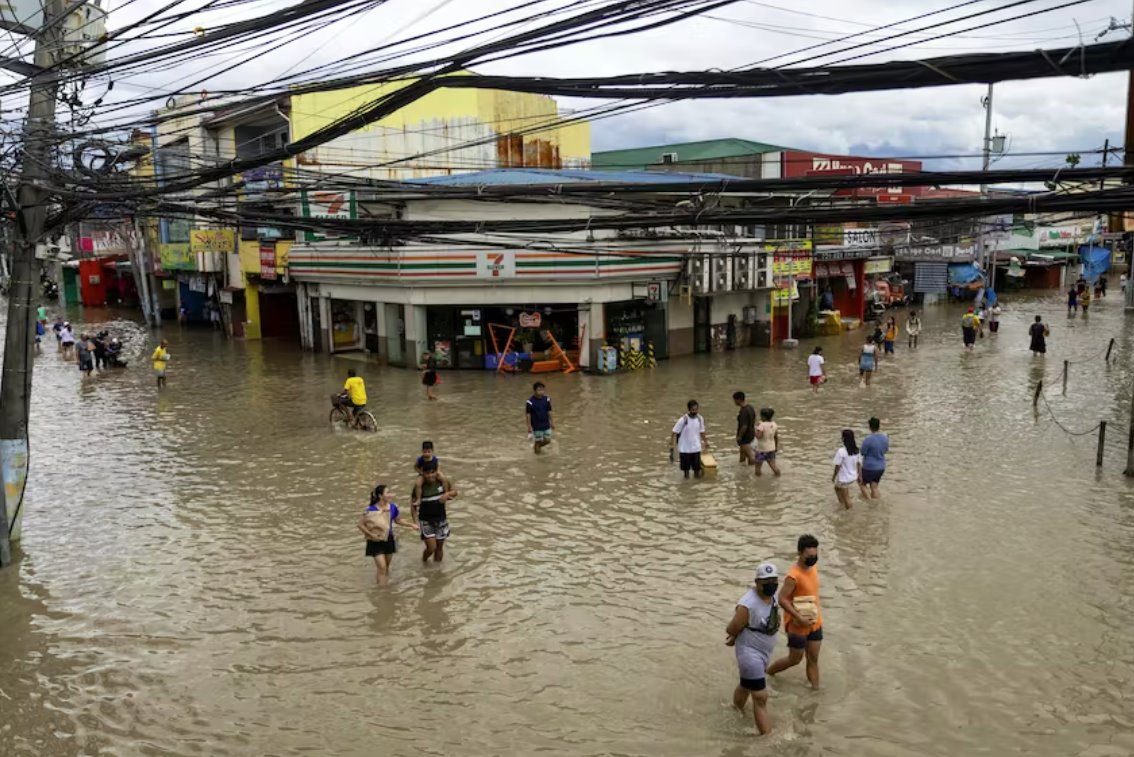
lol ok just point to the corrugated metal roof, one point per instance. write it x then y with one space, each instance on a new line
533 176
710 149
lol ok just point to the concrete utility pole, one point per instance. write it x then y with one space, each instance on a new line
16 375
986 153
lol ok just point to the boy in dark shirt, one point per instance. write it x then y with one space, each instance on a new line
426 457
538 414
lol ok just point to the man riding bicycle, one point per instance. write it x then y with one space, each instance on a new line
355 391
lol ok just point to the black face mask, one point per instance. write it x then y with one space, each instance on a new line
809 561
769 588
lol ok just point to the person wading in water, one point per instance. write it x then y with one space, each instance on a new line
799 599
430 493
752 631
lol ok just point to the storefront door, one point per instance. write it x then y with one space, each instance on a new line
702 324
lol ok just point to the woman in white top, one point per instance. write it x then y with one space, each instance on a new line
848 468
867 360
994 318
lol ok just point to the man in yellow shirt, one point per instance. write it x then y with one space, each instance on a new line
161 359
355 390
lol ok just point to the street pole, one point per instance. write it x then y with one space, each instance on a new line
986 153
16 374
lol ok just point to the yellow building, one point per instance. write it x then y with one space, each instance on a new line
447 131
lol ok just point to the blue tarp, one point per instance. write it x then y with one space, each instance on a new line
1096 261
963 274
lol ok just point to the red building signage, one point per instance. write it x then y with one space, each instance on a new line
798 164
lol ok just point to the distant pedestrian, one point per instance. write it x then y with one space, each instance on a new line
994 318
1085 301
41 315
867 361
752 631
377 525
183 315
890 336
799 600
99 342
878 337
1122 283
39 333
1102 285
745 428
429 374
913 329
848 468
57 327
86 355
215 316
873 451
1072 300
688 436
1098 288
970 322
816 374
767 441
67 338
1039 333
160 360
537 411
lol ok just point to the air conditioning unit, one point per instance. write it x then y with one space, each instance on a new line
698 269
722 273
744 272
669 158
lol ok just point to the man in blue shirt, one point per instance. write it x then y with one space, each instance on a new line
538 413
873 451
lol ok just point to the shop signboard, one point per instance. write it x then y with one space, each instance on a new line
530 320
338 205
110 242
861 238
790 258
878 265
212 240
268 261
225 296
799 163
176 256
495 265
1059 236
828 234
258 182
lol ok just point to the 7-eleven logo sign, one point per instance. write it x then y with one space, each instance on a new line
496 265
328 203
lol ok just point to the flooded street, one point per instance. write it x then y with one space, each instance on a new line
191 580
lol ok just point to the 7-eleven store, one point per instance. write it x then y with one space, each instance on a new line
394 303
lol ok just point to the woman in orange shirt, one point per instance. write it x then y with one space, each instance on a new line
805 620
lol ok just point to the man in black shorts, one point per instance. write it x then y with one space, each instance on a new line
689 436
745 428
430 494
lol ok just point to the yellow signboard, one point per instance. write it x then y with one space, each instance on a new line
792 257
212 240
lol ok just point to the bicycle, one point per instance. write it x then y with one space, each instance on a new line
363 419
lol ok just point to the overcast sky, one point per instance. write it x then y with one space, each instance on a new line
1060 115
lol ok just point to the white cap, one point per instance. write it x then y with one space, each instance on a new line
766 570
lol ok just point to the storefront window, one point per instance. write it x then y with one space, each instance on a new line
346 331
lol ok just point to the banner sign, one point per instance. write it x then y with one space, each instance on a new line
175 256
212 240
268 261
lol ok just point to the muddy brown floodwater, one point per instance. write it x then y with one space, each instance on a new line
191 581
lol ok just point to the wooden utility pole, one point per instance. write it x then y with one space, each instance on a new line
16 374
